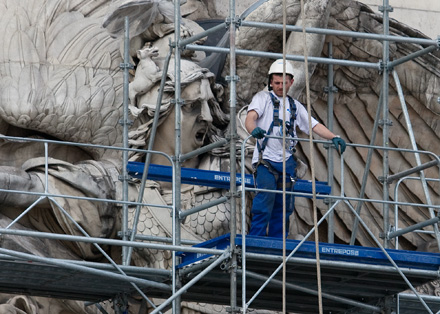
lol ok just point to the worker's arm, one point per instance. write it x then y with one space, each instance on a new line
251 125
251 121
323 132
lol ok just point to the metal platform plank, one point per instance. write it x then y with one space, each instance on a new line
356 273
37 279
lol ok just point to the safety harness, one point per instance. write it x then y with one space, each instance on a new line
277 122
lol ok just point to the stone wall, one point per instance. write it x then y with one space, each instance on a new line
422 15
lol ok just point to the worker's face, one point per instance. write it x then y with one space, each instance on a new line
277 84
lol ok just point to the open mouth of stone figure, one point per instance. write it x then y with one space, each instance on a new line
200 136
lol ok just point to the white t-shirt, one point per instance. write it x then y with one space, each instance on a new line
262 105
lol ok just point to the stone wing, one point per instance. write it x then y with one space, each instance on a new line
60 71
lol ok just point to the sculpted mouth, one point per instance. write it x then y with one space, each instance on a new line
200 136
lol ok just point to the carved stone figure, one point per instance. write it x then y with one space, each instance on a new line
147 73
94 173
60 79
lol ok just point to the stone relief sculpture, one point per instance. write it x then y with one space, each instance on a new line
147 73
60 79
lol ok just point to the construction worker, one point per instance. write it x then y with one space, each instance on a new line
264 117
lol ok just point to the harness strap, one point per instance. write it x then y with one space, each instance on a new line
289 184
278 122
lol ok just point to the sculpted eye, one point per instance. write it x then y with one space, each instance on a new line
190 107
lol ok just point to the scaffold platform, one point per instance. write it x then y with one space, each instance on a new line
217 179
78 280
354 279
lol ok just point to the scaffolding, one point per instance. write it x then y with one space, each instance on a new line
236 268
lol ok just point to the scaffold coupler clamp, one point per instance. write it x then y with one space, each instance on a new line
233 310
236 20
120 304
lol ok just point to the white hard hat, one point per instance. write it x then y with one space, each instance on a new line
277 67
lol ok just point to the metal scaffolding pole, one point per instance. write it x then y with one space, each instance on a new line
330 90
177 188
124 177
417 156
367 168
128 241
386 123
233 163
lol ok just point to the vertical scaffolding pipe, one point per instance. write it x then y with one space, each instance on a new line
233 162
416 155
124 176
330 173
367 168
148 155
385 116
243 227
177 188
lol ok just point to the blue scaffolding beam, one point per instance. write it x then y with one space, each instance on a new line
217 179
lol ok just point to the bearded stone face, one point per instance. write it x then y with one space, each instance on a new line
196 120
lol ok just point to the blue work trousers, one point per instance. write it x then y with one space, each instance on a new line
267 207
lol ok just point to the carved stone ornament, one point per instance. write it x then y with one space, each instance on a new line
60 79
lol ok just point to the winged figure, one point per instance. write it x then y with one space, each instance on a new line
60 80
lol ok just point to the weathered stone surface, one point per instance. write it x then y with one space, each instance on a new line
60 79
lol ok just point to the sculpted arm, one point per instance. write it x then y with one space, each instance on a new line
12 178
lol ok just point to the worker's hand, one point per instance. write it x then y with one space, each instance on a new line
339 144
258 132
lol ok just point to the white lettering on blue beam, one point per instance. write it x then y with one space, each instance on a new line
331 250
222 178
218 177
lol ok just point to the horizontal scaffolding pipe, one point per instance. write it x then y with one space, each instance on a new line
274 55
429 274
198 267
163 239
314 292
196 209
411 56
98 272
405 173
205 33
65 237
106 266
203 150
256 256
324 31
419 225
26 140
409 296
104 200
346 198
